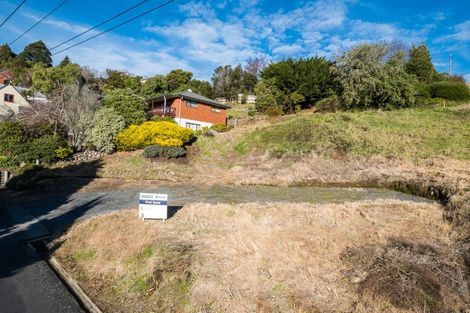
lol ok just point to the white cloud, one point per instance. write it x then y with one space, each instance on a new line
287 49
197 9
211 41
461 33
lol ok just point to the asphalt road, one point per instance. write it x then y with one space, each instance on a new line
58 210
27 284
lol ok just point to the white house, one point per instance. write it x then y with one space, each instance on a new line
15 98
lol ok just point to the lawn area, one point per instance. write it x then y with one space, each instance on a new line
409 134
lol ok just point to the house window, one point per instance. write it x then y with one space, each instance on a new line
8 98
193 126
216 110
191 103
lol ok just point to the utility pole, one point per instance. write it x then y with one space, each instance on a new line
450 64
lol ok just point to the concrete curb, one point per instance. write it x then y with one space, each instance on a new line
87 303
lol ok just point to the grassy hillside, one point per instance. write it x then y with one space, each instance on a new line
409 134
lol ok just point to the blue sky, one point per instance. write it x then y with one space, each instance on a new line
200 35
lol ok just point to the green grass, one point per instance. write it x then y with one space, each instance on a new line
409 134
84 255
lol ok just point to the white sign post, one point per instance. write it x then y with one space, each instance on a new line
153 206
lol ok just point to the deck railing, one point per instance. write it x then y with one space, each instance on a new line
162 111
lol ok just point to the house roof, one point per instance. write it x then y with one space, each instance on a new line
6 75
192 96
21 90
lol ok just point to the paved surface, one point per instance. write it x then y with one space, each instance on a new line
57 211
27 284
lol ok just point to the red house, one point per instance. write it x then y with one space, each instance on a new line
189 109
5 77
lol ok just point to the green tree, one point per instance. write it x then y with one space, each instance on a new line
369 77
48 79
307 80
221 81
65 61
201 87
178 78
420 64
130 106
268 95
228 82
120 80
154 86
36 52
249 82
5 53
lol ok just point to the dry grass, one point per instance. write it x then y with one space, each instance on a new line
411 275
273 257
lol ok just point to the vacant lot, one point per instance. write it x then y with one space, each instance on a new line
271 258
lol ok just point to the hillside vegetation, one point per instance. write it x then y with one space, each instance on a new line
409 134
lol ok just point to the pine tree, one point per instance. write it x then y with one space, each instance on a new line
420 64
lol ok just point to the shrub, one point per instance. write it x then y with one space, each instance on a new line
450 90
63 152
251 111
274 111
373 76
163 119
12 140
107 123
154 151
44 149
220 128
411 276
423 91
153 133
128 105
205 131
330 104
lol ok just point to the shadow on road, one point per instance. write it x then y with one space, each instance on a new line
23 217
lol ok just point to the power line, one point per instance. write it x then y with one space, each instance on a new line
114 27
100 24
14 11
38 22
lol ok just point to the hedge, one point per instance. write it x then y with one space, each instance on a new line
155 151
220 128
153 133
450 90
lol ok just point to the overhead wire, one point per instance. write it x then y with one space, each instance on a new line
12 13
100 24
118 25
38 22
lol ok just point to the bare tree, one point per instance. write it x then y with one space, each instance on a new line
68 108
254 66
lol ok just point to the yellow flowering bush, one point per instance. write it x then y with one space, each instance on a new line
153 133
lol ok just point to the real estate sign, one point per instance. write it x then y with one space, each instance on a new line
153 206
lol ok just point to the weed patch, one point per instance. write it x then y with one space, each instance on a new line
410 275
